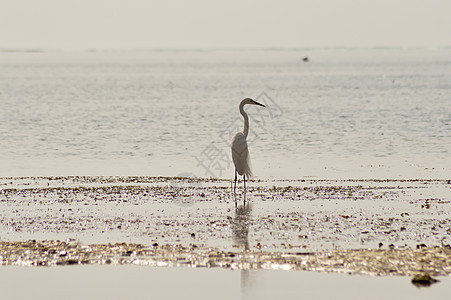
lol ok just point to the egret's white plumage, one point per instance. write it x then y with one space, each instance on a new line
240 152
240 155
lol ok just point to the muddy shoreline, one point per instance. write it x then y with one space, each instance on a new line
373 227
434 261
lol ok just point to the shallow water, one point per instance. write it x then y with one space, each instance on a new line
360 227
119 282
307 215
348 113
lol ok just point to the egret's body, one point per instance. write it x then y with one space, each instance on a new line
240 155
240 152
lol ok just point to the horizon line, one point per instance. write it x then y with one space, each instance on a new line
195 49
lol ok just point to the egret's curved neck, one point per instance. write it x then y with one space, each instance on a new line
246 120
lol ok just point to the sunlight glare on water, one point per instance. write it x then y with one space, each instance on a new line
346 113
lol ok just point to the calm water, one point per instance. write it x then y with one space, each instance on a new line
119 282
346 113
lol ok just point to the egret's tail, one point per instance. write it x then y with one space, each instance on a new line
248 167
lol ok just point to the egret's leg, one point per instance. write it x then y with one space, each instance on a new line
234 189
244 176
234 186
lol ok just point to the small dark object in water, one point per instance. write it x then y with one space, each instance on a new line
305 253
193 235
72 262
419 246
423 280
68 262
380 245
305 59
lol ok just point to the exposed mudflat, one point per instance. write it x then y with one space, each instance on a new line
373 227
434 261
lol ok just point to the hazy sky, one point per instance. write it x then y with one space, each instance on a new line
217 24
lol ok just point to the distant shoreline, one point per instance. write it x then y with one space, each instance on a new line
283 49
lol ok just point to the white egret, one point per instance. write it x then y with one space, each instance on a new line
240 152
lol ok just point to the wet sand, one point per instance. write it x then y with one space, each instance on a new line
365 227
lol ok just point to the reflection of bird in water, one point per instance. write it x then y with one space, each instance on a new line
240 153
240 231
240 226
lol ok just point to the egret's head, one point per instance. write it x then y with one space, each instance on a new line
250 101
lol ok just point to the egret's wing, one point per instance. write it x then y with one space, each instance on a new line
240 155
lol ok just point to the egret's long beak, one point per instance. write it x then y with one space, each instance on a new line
256 103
